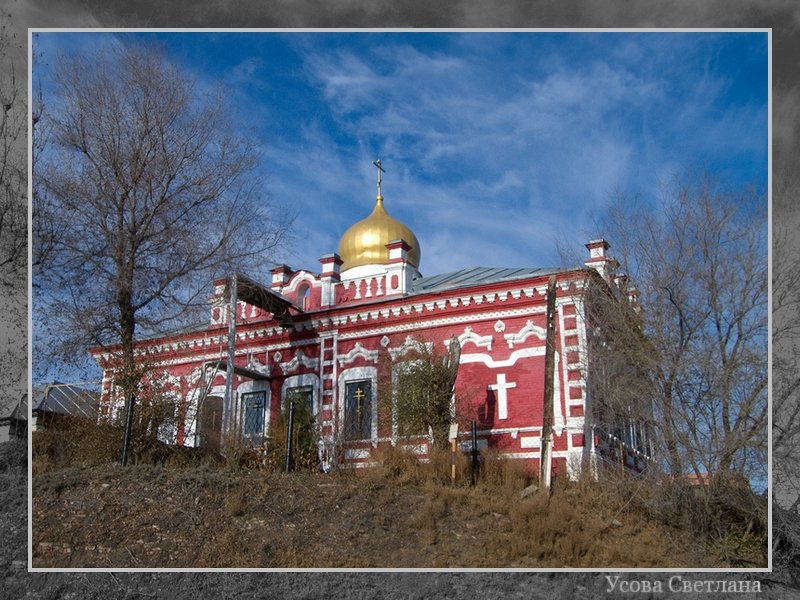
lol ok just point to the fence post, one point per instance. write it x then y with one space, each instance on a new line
475 464
126 436
289 435
546 456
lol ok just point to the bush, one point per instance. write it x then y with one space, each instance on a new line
72 441
13 456
305 436
727 519
497 471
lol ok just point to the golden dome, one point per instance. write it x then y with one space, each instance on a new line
364 243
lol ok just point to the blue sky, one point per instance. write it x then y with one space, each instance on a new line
495 144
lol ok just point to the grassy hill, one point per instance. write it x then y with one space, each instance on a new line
410 493
402 514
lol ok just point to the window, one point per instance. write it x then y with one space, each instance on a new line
358 410
303 296
254 404
305 433
410 398
301 394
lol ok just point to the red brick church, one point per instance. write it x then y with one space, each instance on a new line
326 337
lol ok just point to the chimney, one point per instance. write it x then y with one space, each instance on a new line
330 277
281 275
331 266
600 260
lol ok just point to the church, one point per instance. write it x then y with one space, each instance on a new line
327 337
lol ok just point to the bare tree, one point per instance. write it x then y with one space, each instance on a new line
13 210
786 336
13 171
785 374
699 259
619 371
148 193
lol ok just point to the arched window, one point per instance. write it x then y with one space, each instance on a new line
305 385
358 416
303 296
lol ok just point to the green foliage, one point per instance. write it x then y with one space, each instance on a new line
422 394
305 435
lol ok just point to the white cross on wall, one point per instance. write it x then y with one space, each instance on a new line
502 398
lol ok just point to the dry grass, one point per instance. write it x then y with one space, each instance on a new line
75 442
405 512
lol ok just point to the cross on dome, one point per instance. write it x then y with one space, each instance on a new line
377 163
364 243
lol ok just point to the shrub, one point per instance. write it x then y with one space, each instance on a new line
305 437
13 456
500 472
73 441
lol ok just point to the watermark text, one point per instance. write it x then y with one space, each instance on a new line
679 584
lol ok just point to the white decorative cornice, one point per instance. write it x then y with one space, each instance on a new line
256 365
423 324
299 278
523 334
342 316
299 359
408 345
504 363
358 350
469 335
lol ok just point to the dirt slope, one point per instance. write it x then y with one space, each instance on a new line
145 516
17 582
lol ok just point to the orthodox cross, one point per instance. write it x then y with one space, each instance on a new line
359 395
377 163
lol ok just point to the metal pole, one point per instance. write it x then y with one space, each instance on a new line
453 461
127 435
546 460
475 464
227 406
289 435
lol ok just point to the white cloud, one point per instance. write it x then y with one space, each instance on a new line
473 144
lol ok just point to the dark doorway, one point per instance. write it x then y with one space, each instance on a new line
211 424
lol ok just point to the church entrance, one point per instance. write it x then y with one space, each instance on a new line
211 424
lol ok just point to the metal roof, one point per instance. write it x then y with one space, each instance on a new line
65 399
467 277
477 276
248 291
255 294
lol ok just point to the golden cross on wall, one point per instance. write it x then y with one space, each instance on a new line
359 395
